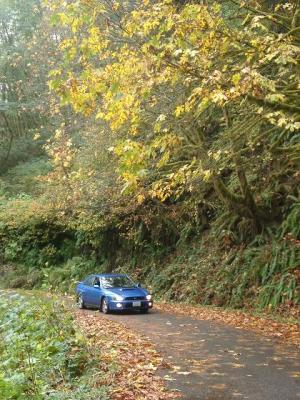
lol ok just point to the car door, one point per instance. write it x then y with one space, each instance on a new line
86 289
95 294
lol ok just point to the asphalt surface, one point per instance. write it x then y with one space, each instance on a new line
212 361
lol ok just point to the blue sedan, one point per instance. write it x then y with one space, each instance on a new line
112 292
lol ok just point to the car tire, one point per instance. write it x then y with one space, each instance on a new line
104 306
80 302
144 310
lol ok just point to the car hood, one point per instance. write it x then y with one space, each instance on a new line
128 292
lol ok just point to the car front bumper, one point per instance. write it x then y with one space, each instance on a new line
129 305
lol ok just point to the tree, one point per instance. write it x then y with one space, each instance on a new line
27 54
191 94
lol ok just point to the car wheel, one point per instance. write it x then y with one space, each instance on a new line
144 310
80 302
104 306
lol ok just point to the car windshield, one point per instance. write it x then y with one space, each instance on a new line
117 282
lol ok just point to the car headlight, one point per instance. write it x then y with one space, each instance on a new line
148 297
117 297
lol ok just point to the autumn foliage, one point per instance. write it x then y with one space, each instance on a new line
173 135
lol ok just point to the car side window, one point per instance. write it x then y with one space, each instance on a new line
96 281
89 280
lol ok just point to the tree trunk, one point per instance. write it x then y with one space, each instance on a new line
244 205
232 201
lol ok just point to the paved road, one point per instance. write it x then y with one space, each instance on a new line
212 361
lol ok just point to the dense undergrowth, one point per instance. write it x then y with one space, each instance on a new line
215 266
42 355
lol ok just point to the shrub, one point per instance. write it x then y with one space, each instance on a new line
42 355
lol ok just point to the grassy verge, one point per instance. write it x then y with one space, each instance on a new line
43 356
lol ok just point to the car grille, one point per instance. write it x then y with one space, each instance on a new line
135 298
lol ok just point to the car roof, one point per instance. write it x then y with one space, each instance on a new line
109 275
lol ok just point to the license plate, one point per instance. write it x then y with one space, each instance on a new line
136 304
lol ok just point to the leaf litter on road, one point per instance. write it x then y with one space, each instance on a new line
131 359
288 333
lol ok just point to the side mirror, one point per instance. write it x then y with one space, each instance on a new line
96 286
139 285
